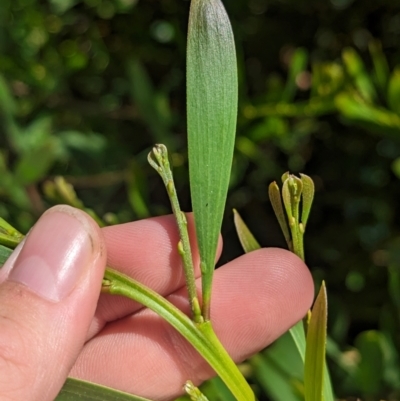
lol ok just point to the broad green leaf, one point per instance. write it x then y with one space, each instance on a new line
246 238
314 365
393 95
212 96
80 390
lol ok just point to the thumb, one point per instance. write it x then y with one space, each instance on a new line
47 303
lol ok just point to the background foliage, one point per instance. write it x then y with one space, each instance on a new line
88 86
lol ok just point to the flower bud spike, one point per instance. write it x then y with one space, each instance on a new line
158 159
193 392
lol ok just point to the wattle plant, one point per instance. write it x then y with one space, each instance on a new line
212 98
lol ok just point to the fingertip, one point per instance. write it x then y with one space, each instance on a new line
261 295
48 301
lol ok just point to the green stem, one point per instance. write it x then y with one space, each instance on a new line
9 236
200 335
158 159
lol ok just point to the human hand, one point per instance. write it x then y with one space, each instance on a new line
53 322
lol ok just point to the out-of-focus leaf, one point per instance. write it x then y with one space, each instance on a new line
373 118
80 390
327 80
394 284
35 135
391 373
212 96
396 167
136 191
7 103
10 188
144 95
216 390
370 369
268 128
8 109
356 69
297 65
61 6
313 108
4 254
314 365
246 238
393 93
84 142
34 165
279 370
381 67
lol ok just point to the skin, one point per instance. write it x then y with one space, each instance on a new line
114 341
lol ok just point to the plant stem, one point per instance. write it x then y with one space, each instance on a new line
200 335
158 159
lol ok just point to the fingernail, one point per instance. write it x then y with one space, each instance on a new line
55 254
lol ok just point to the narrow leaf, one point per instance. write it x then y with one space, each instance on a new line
307 198
212 95
80 390
246 238
314 365
356 69
276 202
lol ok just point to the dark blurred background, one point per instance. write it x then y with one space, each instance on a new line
88 86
